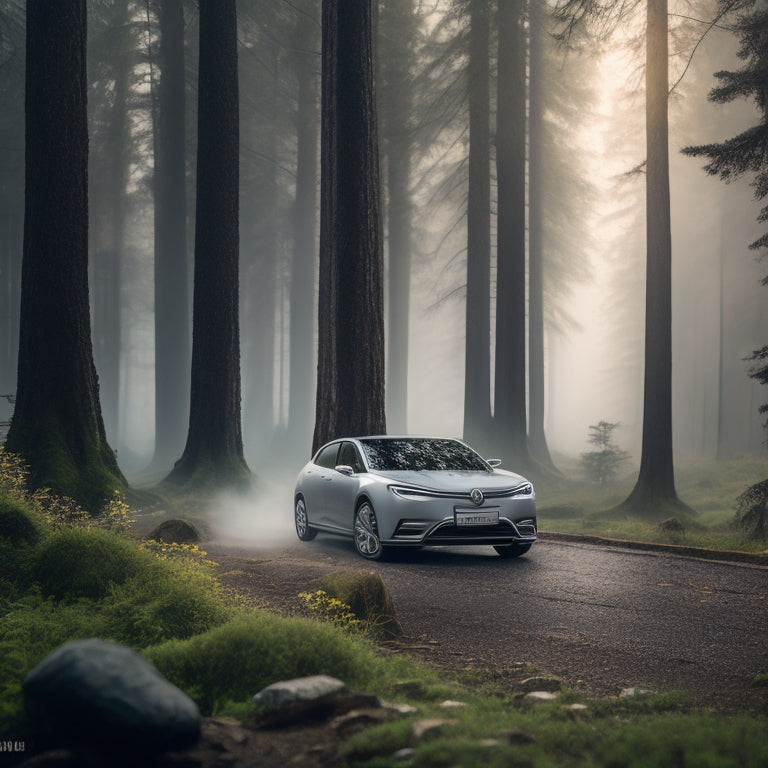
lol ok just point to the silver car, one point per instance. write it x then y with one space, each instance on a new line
413 491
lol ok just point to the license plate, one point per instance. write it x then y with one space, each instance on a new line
469 517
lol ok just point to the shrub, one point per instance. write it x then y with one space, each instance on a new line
168 600
16 524
20 530
235 661
81 562
752 511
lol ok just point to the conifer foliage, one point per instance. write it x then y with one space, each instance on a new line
746 153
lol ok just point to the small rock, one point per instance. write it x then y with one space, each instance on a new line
404 754
91 694
401 709
578 707
449 703
430 725
550 684
318 697
298 689
629 693
540 696
357 720
489 742
175 531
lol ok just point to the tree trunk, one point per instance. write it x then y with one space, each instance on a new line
108 259
213 455
57 426
11 202
537 440
261 297
10 267
477 356
510 422
302 280
655 488
350 378
172 342
396 63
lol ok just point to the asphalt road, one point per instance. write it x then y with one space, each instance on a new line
602 618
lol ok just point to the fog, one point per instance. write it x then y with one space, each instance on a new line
594 365
594 294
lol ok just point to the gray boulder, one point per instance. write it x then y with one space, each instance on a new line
92 695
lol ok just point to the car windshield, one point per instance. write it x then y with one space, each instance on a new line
421 454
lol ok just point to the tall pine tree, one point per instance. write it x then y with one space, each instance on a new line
57 425
213 455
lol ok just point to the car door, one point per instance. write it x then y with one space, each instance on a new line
343 488
316 480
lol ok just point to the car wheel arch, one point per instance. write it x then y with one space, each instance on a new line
363 498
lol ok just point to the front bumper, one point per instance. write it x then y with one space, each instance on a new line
445 532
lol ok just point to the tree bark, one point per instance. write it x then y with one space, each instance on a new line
655 487
477 355
537 440
108 259
396 63
304 262
172 337
11 198
263 285
510 421
213 456
350 379
57 425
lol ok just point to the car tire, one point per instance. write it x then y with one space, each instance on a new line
303 530
365 533
512 550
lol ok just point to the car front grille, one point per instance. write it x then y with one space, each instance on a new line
502 530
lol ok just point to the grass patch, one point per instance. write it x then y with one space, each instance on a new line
497 733
710 488
229 664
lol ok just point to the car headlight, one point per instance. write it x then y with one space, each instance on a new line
526 489
413 494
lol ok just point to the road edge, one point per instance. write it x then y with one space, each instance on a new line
700 553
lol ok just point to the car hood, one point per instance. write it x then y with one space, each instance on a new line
454 480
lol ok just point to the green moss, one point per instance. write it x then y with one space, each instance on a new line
368 598
235 661
80 562
169 599
17 525
21 528
87 472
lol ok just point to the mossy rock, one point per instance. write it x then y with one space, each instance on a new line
175 531
368 598
16 525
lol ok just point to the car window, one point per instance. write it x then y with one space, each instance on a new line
348 455
421 454
327 456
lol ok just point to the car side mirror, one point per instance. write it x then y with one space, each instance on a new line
494 462
345 469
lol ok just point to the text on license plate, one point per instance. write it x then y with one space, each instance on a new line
476 517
